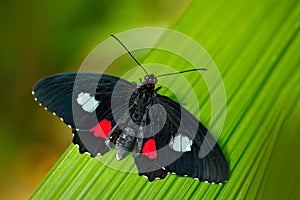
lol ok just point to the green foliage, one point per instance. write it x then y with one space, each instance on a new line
255 45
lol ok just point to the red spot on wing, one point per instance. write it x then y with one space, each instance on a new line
102 129
149 149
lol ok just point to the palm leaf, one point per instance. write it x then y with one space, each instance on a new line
256 46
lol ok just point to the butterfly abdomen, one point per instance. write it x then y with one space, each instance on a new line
123 139
124 143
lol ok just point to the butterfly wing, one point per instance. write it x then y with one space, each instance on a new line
200 156
183 146
83 102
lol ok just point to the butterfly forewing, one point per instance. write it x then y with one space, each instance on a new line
67 95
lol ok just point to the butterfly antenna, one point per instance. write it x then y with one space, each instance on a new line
189 70
123 45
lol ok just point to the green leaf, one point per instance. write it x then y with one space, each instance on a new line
255 45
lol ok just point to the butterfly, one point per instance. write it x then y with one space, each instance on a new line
106 112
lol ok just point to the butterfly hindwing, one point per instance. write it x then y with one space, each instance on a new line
87 142
145 160
149 168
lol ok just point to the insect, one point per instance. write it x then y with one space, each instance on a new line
107 112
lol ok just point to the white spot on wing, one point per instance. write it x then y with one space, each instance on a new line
180 143
87 102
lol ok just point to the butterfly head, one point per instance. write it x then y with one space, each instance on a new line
150 79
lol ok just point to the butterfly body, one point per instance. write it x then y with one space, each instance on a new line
130 130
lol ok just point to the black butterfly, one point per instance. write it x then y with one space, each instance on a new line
105 111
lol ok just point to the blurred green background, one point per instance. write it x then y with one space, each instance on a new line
41 38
